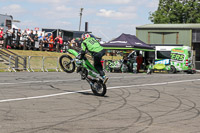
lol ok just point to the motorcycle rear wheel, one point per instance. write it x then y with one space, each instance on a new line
66 64
98 88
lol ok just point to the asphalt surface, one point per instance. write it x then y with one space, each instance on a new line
134 103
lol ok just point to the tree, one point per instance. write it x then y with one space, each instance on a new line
176 11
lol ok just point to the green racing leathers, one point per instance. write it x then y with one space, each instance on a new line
93 46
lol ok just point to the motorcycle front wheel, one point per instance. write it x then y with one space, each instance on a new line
66 64
98 88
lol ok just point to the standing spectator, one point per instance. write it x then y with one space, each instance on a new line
75 44
59 41
13 38
18 37
1 36
139 60
40 38
25 39
72 43
78 42
9 37
37 45
24 36
51 42
45 40
36 35
31 38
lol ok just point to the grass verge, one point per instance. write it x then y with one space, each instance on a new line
51 59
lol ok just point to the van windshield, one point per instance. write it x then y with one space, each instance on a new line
163 54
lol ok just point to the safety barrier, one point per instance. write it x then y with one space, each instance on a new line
38 63
51 62
11 60
18 62
5 65
31 64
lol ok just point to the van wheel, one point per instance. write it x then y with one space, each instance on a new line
190 71
172 69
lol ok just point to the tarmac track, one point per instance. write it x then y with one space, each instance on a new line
134 103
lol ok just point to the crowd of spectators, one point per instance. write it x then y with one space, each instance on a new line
31 40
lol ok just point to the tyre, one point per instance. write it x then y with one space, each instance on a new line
190 71
98 88
66 64
172 69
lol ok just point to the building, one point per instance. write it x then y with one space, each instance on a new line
170 34
5 21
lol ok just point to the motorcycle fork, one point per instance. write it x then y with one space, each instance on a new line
90 82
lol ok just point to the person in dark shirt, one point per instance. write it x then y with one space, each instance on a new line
36 35
31 38
13 36
18 37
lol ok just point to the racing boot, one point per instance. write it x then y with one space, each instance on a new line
105 79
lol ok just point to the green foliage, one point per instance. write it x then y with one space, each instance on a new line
176 11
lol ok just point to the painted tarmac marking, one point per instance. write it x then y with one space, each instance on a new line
114 87
47 81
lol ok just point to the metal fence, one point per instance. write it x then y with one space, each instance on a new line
17 63
31 64
51 63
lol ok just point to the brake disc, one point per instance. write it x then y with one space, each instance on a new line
97 86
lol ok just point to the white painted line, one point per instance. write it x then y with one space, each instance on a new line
154 84
47 81
114 87
39 97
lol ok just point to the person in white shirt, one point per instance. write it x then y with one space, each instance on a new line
9 33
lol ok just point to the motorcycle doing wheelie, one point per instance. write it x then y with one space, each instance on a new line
86 70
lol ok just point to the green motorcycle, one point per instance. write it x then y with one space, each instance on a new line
86 70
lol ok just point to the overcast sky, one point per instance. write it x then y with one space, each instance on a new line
107 18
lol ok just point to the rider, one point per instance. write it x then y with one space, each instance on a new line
91 45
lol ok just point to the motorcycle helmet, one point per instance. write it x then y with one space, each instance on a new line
85 36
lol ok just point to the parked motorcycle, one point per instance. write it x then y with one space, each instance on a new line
124 66
113 65
86 70
129 63
116 66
